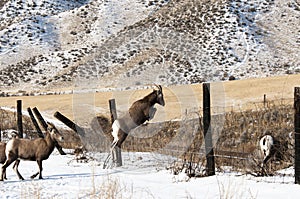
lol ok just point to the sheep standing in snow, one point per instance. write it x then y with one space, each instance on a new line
10 134
34 150
2 155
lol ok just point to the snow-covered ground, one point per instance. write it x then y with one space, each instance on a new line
142 176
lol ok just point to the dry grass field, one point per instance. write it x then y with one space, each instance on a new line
234 95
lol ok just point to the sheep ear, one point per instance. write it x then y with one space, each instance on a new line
158 86
50 124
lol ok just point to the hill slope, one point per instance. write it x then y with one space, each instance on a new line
114 43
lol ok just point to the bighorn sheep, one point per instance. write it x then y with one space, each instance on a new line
271 147
140 111
2 154
10 134
266 146
33 150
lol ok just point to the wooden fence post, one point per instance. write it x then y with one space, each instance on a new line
40 118
117 153
36 125
69 123
19 118
113 110
210 160
297 133
45 126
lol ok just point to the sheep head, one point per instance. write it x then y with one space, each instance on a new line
54 133
160 97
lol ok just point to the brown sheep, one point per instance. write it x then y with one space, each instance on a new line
33 150
140 111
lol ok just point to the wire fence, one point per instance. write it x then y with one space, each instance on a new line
236 132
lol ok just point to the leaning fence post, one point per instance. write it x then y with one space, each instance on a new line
40 118
19 118
210 160
69 123
297 133
36 125
45 126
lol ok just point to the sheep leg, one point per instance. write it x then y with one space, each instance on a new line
115 155
266 159
15 167
34 175
4 166
123 136
106 161
40 168
116 151
105 164
39 172
3 174
109 156
152 112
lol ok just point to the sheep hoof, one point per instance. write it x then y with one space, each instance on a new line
33 176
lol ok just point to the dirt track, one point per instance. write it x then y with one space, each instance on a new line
235 95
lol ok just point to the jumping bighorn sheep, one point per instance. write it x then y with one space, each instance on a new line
140 111
33 150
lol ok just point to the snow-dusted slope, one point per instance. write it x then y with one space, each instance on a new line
43 41
128 43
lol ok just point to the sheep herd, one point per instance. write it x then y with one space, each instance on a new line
142 110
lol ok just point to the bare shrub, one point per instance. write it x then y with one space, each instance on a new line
243 130
237 145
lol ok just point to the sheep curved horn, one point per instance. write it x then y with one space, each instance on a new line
159 87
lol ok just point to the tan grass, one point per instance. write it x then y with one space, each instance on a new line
237 95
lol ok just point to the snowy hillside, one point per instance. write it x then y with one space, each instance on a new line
127 43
